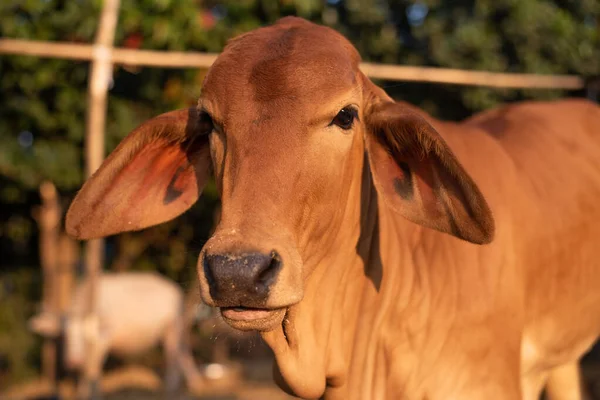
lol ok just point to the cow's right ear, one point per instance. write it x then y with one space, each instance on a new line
419 177
156 173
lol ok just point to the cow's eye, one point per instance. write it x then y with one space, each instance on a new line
345 118
205 123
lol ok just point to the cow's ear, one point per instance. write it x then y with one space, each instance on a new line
156 173
418 176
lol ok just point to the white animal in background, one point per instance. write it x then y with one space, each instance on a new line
135 312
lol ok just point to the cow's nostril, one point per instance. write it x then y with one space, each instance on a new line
207 264
269 273
241 279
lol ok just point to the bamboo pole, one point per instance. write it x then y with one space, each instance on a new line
101 70
84 52
167 59
473 78
67 260
47 216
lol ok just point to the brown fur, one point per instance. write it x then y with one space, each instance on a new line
370 305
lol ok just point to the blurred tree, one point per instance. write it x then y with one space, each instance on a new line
535 36
43 101
18 349
42 122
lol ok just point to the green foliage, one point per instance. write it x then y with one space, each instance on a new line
18 348
535 36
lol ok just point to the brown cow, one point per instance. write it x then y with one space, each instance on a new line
350 223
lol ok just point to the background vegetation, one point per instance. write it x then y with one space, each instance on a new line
43 102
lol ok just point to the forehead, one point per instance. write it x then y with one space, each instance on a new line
293 62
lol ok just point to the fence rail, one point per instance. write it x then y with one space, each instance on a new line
173 59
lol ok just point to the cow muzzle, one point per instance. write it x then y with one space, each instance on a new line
252 288
241 279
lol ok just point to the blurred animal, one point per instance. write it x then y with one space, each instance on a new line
352 224
136 311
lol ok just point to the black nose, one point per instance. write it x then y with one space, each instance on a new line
241 279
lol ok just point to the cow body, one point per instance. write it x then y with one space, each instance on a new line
451 320
547 209
381 253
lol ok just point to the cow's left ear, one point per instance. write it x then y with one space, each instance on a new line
156 173
418 176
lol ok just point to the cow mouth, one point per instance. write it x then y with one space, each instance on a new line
247 318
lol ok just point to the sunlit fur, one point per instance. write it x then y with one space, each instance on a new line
383 293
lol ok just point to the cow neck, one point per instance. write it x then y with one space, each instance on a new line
314 349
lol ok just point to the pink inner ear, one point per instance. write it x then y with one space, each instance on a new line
163 169
156 173
158 182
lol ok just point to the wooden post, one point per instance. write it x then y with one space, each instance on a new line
101 70
48 216
67 259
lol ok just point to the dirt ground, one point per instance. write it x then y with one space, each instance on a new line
255 383
252 392
261 388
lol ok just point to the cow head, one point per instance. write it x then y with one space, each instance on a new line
284 122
